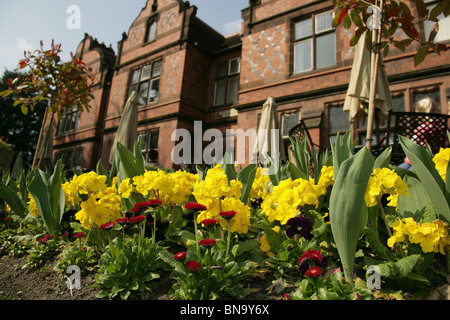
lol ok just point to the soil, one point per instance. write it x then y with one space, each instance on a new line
43 283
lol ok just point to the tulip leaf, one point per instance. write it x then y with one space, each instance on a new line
348 210
13 200
423 166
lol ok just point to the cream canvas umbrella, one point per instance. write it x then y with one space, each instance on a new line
357 98
127 131
46 150
269 140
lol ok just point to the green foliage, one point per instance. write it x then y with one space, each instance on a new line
395 16
216 279
330 287
76 254
49 197
125 269
348 210
434 185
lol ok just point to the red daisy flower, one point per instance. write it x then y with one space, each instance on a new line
195 206
142 206
209 222
122 220
207 242
193 265
311 254
313 272
228 214
137 219
180 256
107 225
42 240
79 235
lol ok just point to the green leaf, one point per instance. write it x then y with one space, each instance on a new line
247 176
127 164
400 269
13 200
348 210
40 194
347 22
423 166
420 55
414 203
384 159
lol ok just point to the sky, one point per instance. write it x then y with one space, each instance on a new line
24 23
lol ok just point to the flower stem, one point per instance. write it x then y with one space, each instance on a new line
196 236
383 215
229 238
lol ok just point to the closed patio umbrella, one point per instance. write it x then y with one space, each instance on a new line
267 138
358 93
127 131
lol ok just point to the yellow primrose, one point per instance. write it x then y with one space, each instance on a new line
261 184
441 161
125 188
264 243
384 181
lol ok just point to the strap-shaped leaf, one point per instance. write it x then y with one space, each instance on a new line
13 200
348 210
424 167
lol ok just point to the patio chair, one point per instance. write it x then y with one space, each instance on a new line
423 128
300 130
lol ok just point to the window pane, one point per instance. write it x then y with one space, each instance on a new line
338 120
325 51
303 29
157 67
323 21
399 103
154 89
154 135
222 69
234 66
144 141
143 93
133 88
151 32
233 89
221 87
135 76
303 56
146 72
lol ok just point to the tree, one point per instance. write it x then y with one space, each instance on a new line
60 84
379 20
19 130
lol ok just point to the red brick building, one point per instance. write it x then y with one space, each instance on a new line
184 71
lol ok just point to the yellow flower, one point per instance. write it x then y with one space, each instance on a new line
384 181
32 205
326 178
89 182
426 236
101 207
441 161
264 243
286 198
431 236
398 235
241 220
125 188
261 184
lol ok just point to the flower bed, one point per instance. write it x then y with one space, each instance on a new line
357 229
